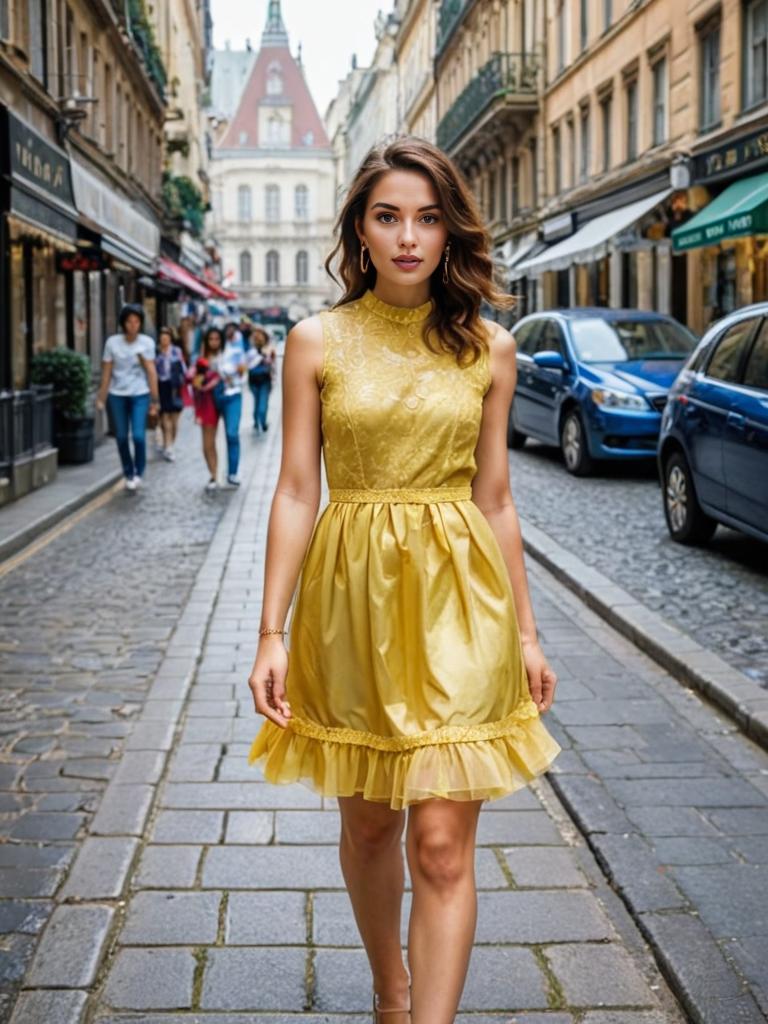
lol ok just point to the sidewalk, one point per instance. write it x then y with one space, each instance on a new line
204 893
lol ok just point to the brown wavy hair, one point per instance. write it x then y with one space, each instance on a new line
454 324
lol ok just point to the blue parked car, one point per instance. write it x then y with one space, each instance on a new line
595 382
713 446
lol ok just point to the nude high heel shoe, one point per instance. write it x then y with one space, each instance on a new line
378 1010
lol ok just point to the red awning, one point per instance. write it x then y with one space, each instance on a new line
171 271
219 292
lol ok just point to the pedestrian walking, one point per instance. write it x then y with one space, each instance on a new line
261 373
415 683
171 379
129 386
231 364
205 380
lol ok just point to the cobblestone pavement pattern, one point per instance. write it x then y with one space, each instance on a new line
614 522
225 900
86 622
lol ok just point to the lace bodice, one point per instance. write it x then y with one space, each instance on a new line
396 415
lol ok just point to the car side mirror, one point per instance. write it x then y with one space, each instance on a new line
550 360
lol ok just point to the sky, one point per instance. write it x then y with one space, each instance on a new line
329 33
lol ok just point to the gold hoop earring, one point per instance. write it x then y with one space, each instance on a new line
364 267
446 275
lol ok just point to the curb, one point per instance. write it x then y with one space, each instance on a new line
14 543
685 659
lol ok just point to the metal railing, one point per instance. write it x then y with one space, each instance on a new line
26 424
504 73
447 19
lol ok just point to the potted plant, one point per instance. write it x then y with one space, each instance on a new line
70 374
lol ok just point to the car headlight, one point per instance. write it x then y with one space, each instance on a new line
608 399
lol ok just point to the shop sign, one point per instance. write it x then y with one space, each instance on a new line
87 262
38 163
741 154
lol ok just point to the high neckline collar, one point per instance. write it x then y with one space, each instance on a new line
400 314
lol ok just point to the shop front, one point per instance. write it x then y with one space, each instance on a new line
38 226
726 241
616 258
123 243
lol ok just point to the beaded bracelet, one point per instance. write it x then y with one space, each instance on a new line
266 632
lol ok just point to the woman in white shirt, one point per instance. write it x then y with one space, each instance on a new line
129 387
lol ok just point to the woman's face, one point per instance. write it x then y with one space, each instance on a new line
132 325
214 341
165 340
404 228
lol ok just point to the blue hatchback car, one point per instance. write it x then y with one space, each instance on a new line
595 381
713 446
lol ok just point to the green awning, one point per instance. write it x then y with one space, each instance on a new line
741 210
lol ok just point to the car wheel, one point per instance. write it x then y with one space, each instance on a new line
686 522
573 444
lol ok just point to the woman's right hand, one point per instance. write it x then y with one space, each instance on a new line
267 680
100 403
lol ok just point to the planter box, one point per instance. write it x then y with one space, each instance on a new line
74 440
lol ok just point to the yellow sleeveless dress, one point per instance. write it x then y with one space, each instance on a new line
405 670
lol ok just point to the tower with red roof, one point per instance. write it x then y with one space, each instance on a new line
273 181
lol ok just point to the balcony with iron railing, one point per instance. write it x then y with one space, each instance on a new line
507 77
448 18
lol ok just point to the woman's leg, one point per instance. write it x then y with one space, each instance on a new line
440 844
139 410
174 426
233 406
372 864
209 450
263 403
166 422
119 411
255 392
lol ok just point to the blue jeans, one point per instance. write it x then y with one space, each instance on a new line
129 414
260 392
231 408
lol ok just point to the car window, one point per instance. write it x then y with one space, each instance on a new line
726 360
613 341
756 373
551 338
525 336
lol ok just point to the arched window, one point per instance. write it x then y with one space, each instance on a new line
302 267
272 203
245 267
273 267
244 203
278 130
301 202
274 79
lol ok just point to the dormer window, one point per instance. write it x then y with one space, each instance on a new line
274 79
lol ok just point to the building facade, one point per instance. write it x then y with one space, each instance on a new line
414 53
82 110
272 185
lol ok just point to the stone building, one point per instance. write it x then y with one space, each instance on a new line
82 112
272 185
414 52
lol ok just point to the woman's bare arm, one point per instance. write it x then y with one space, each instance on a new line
106 377
294 509
492 494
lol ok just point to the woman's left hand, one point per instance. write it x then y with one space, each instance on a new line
542 679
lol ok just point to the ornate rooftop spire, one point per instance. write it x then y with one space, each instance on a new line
275 32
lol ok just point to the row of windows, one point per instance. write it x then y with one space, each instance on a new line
755 56
272 203
272 267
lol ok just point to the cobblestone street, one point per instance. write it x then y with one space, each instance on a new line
149 874
614 522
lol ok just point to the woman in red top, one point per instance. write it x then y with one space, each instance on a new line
204 380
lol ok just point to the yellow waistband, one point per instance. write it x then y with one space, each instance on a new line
406 495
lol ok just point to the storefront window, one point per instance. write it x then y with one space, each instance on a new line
726 281
80 313
48 289
18 318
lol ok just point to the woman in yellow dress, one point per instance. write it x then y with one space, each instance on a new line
413 682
